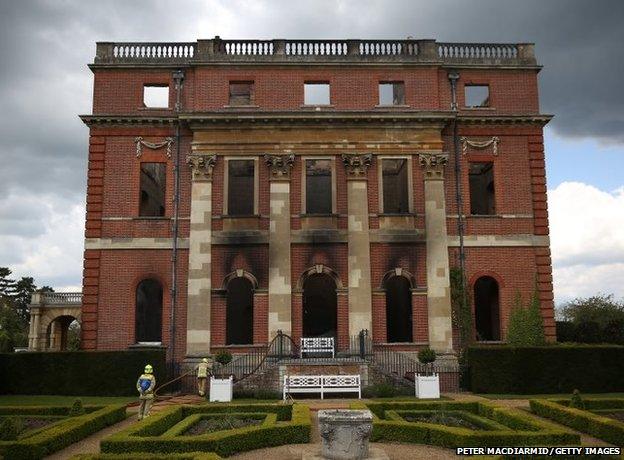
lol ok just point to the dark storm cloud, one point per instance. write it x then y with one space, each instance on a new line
45 46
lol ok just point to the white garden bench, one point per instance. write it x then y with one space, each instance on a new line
317 345
322 384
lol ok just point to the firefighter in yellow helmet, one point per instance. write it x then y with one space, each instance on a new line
145 386
202 375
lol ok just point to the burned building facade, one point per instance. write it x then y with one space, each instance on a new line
237 188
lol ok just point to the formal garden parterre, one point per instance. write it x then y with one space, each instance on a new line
42 430
168 431
490 425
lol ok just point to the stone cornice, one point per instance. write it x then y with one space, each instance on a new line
280 166
261 119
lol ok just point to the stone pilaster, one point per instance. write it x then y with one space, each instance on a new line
199 269
279 243
438 284
360 301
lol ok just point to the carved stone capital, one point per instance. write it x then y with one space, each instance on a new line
433 164
279 166
357 165
201 166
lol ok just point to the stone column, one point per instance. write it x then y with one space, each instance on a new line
199 259
438 283
279 244
360 298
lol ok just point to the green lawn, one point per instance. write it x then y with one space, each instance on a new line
551 396
52 400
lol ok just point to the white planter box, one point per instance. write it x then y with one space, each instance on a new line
427 386
221 389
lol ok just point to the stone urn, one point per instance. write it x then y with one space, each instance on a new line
344 433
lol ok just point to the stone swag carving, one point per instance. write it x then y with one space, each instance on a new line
140 143
201 166
357 164
465 142
280 165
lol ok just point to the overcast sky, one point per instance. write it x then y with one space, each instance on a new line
45 84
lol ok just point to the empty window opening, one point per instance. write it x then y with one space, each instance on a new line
482 195
318 186
477 95
239 312
487 312
156 96
320 306
316 94
241 92
148 317
392 93
153 185
398 310
395 186
241 187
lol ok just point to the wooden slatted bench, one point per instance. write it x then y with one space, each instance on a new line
317 345
322 384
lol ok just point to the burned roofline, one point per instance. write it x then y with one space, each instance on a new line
314 52
313 118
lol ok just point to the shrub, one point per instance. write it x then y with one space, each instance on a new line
76 409
526 326
10 428
85 373
547 369
520 429
159 433
577 402
383 390
59 435
223 357
603 428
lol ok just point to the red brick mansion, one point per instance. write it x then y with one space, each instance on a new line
237 188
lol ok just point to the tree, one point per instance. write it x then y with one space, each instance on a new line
526 326
596 319
7 285
24 289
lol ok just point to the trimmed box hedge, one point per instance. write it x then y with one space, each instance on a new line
284 424
521 429
596 425
83 373
59 435
149 456
547 369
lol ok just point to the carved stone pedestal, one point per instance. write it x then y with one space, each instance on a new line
345 433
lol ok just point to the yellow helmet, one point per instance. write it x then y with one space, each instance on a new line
149 369
205 360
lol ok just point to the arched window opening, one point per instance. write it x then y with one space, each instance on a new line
148 319
239 312
320 306
487 309
398 310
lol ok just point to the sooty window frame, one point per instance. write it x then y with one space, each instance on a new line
482 188
487 311
147 96
408 206
249 206
471 96
239 311
243 99
398 93
399 318
306 199
148 311
152 189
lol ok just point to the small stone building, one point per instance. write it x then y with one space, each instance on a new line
318 187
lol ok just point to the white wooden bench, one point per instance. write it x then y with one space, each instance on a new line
322 384
317 345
